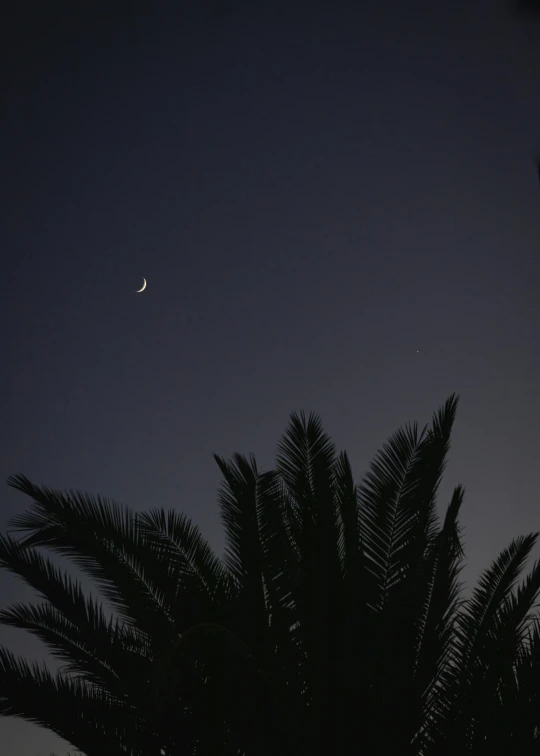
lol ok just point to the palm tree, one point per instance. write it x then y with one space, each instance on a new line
334 618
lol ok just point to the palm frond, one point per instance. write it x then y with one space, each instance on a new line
285 656
437 619
79 609
434 644
490 595
102 539
281 568
496 683
397 500
184 542
346 493
475 633
237 499
192 577
398 525
305 458
88 718
385 518
305 461
109 658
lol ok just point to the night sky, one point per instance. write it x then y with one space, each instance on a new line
335 210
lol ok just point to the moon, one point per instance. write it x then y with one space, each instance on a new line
143 287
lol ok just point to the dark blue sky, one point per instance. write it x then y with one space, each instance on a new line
335 210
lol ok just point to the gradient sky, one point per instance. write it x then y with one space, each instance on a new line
335 210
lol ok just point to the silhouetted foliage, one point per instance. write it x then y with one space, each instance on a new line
334 618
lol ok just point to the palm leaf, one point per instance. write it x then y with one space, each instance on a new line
305 461
497 681
398 527
184 542
384 517
491 593
476 626
192 577
82 714
102 539
80 619
243 555
434 644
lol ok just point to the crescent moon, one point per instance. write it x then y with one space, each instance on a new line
138 291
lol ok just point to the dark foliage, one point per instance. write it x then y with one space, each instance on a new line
335 617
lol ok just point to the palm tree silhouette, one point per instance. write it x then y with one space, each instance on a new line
334 622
